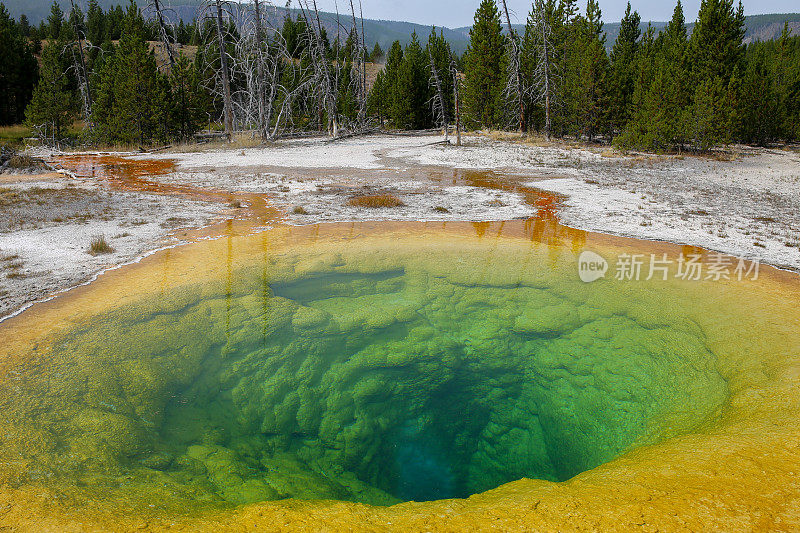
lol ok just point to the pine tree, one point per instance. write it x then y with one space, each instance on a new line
438 52
95 33
708 117
716 44
788 84
131 104
385 92
757 117
189 102
661 97
782 76
52 109
376 101
55 21
411 90
95 24
584 98
77 22
376 56
114 21
792 126
18 70
765 107
716 53
624 69
567 27
646 129
485 68
293 34
673 48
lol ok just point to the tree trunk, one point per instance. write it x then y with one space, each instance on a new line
263 113
456 93
164 35
225 73
546 52
360 67
517 75
439 92
83 77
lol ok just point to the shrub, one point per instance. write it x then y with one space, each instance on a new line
99 246
376 201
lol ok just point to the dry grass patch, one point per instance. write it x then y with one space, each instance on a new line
611 153
239 141
376 201
496 135
13 264
299 210
724 156
530 139
21 161
100 246
9 196
14 135
173 222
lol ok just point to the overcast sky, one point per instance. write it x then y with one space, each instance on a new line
456 13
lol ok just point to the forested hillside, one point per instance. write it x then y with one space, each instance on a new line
128 79
385 32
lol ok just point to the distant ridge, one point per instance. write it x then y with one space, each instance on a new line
385 32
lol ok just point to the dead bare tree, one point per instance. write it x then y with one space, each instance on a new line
81 71
164 30
515 88
359 68
329 73
439 101
274 81
252 51
325 76
544 75
266 90
457 96
364 43
218 7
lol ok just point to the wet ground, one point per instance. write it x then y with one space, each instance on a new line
746 205
745 201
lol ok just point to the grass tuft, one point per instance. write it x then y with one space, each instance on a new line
299 210
440 209
376 201
100 246
611 153
14 265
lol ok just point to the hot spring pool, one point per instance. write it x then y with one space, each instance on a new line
380 364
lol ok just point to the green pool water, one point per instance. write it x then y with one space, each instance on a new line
375 372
